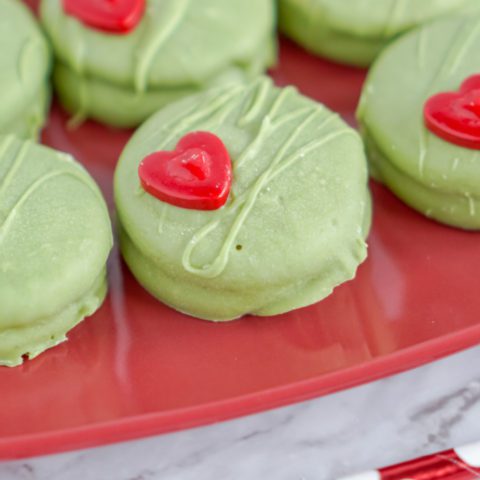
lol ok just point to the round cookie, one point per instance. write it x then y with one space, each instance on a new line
355 31
178 48
116 105
439 178
25 65
295 220
55 237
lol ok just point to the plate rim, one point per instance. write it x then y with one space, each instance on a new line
145 425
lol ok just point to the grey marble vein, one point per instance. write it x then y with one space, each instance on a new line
428 409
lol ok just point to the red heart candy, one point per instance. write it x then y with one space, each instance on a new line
112 16
196 175
455 116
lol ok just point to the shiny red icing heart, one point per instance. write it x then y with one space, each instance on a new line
196 175
112 16
455 116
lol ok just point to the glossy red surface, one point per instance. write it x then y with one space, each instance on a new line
442 466
455 116
138 368
197 175
112 16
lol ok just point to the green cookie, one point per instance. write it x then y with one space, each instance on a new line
178 48
434 176
355 31
24 69
123 107
294 225
55 236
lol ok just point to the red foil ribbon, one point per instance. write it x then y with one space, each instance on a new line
444 466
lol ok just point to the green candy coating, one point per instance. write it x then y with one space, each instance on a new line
436 177
178 48
123 107
29 123
294 226
55 236
355 31
25 66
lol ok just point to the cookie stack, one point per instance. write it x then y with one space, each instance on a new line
25 62
356 31
119 64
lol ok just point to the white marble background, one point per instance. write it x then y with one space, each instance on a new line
432 408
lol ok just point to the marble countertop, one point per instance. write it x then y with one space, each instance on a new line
432 408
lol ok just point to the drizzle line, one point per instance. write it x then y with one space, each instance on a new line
15 165
163 31
246 201
30 190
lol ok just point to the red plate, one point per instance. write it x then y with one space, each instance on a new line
138 368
